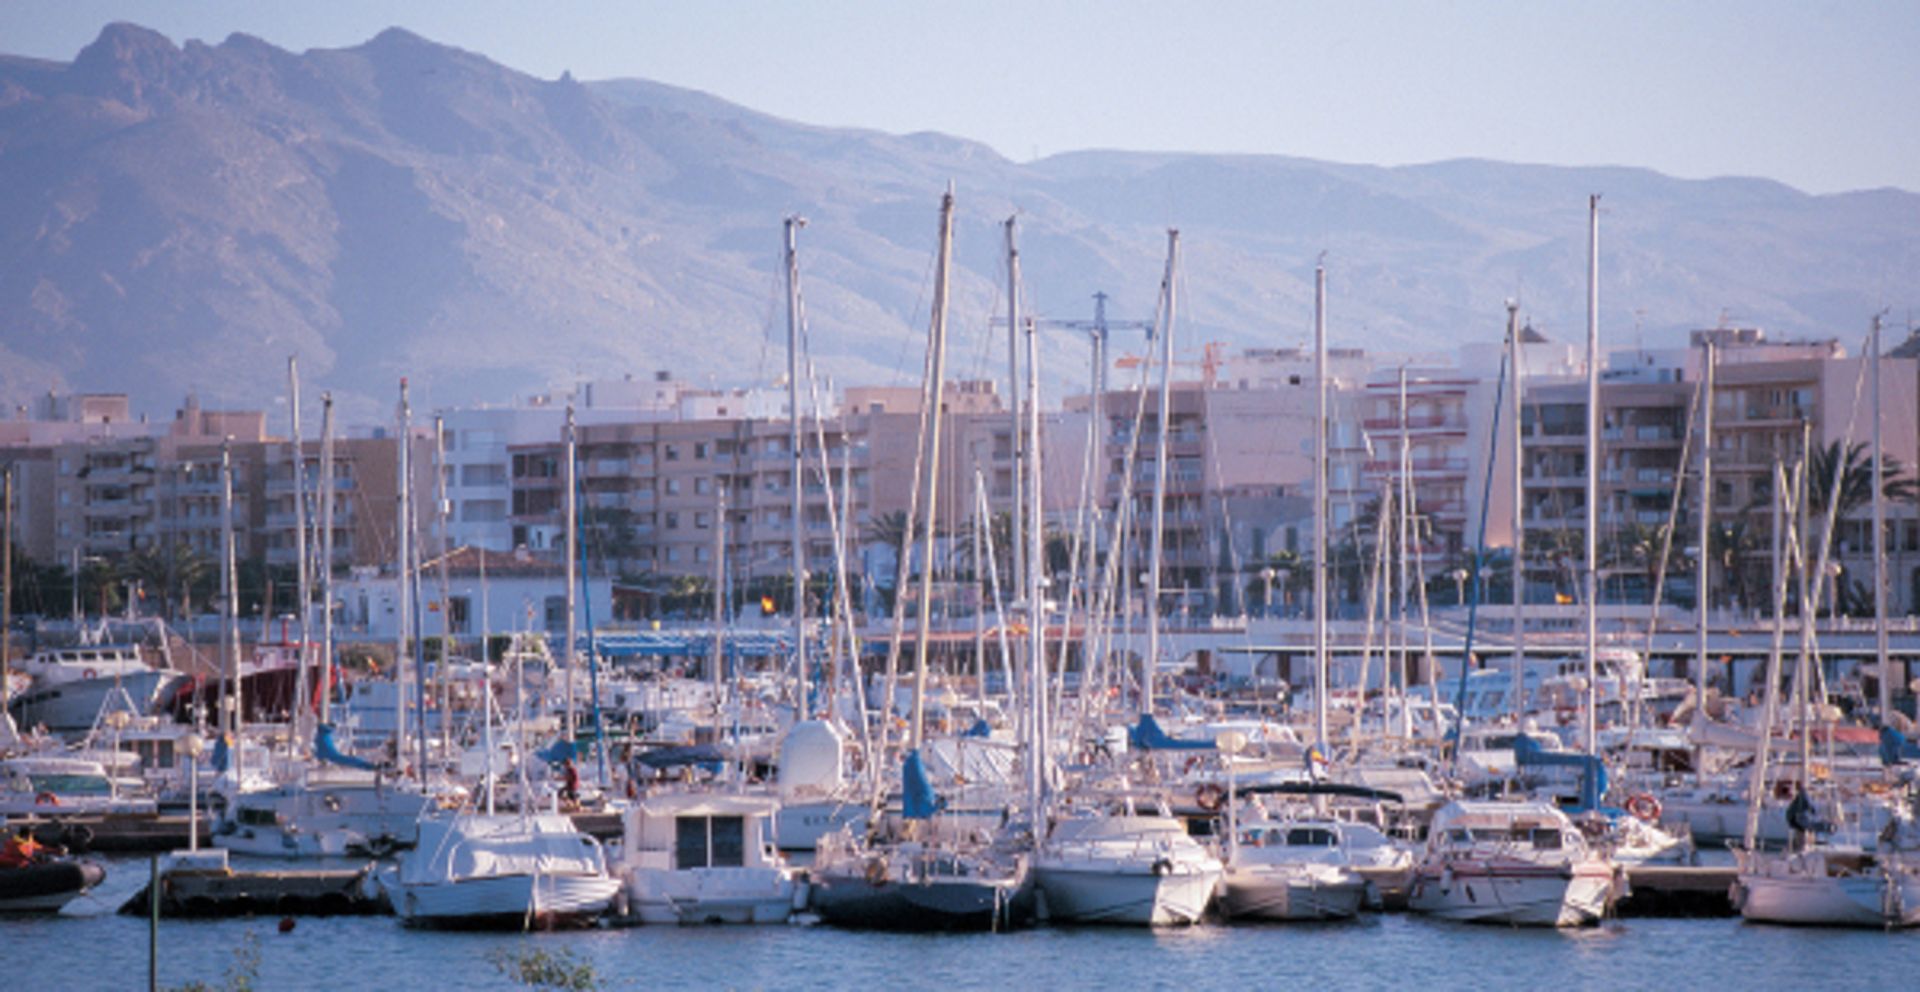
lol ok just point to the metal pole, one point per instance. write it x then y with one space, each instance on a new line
1882 660
1151 664
1593 473
938 394
302 690
1017 388
571 525
797 542
1701 567
326 557
1321 505
1519 521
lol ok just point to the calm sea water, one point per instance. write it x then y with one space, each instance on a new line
1395 951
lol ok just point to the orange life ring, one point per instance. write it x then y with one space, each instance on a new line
1210 797
1644 806
90 674
46 799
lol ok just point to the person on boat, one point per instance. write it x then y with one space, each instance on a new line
570 784
20 851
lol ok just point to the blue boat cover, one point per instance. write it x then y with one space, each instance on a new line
1895 749
1593 771
979 728
222 757
558 752
326 750
918 801
1148 735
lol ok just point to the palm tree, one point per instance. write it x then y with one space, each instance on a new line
1638 545
170 571
1856 479
1732 543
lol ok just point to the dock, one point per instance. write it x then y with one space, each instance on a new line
212 891
116 833
1689 891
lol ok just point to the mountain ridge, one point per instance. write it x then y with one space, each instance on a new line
181 218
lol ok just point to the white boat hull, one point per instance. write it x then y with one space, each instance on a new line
710 895
1131 898
1868 900
1254 894
526 901
1526 898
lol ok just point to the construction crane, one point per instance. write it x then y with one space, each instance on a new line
1209 362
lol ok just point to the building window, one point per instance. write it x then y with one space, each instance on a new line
699 449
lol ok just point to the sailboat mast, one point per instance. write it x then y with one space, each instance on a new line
1519 520
1157 549
1321 504
403 525
1882 663
1592 590
571 571
303 584
231 712
937 398
1403 511
1704 533
719 588
326 557
1016 387
1036 575
797 542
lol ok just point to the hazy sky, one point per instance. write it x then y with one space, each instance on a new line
1820 95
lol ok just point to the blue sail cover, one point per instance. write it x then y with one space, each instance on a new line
979 729
1593 771
326 750
558 752
1895 749
222 757
918 801
1148 735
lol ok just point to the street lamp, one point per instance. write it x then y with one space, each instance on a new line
195 744
1230 743
1834 572
1266 601
1459 576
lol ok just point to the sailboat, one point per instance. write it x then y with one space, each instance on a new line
1820 880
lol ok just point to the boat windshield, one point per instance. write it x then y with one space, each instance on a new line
71 785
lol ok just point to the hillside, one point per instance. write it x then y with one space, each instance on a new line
183 217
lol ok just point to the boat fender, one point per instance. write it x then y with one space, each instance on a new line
1210 797
876 871
1163 867
1644 806
79 837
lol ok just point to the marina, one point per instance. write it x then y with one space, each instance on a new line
613 538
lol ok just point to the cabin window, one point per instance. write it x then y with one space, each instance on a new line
709 842
1311 837
1546 840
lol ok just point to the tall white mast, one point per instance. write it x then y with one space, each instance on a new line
1156 553
1036 575
305 589
1704 533
797 541
1519 434
325 564
232 711
937 397
1403 511
1593 473
571 525
403 525
1882 662
1321 505
1017 434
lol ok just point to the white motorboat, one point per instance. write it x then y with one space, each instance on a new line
331 814
1514 863
58 785
517 871
71 685
1125 867
1291 869
704 858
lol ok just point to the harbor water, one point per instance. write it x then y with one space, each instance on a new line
338 954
